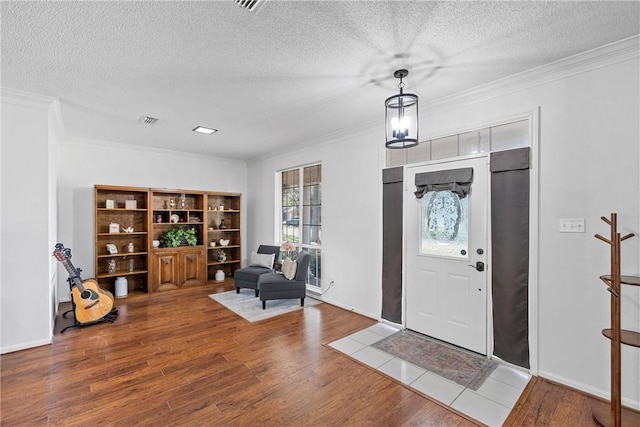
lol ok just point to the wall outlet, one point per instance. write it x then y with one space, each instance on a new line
572 225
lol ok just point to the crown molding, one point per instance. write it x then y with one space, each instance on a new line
336 137
110 145
33 100
607 55
27 99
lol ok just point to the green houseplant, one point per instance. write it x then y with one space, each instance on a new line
178 236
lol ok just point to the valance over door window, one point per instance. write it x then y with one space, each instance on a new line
457 181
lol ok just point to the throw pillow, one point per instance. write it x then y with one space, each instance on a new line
261 260
289 268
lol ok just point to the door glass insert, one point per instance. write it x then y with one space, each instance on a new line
444 225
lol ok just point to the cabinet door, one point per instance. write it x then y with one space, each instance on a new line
166 271
193 268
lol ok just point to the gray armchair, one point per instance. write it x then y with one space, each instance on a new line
247 277
276 286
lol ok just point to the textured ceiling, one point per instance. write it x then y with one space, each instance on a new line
288 73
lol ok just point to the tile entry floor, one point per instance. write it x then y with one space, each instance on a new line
490 404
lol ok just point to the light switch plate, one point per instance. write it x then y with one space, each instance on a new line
572 225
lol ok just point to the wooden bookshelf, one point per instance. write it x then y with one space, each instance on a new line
130 219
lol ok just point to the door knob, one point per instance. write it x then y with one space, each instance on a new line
479 266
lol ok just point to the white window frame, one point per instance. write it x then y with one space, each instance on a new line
278 213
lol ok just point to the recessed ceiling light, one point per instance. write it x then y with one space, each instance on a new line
206 130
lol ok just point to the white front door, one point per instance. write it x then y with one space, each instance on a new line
446 287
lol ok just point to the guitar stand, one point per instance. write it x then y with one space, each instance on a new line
109 317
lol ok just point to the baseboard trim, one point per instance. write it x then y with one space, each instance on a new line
583 388
344 307
25 346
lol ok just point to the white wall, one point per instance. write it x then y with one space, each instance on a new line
27 268
351 215
84 164
588 167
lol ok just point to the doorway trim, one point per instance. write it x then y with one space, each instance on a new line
534 125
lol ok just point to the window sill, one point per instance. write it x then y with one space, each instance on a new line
314 290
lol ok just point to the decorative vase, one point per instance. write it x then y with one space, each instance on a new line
219 276
121 287
222 225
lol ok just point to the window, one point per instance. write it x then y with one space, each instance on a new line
444 224
491 139
300 207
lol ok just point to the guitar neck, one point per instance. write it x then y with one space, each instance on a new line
74 274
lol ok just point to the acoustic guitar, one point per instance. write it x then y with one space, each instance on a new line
91 301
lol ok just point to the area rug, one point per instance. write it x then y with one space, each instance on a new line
247 305
460 366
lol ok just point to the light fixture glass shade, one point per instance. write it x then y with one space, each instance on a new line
401 120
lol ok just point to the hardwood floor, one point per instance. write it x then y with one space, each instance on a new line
180 358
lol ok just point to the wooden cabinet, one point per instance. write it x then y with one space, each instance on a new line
164 270
215 216
131 219
174 268
192 267
121 227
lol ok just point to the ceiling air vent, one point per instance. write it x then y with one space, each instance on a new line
248 4
147 120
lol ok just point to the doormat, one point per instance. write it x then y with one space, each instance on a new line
460 366
247 305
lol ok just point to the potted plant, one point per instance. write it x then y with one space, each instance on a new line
178 236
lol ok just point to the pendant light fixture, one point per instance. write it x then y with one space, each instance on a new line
401 117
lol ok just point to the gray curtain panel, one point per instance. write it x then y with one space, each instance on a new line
510 254
457 181
392 199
